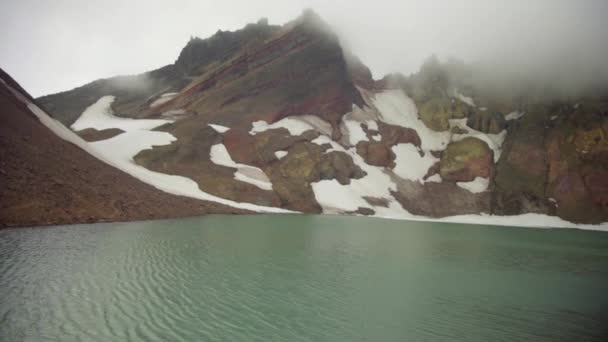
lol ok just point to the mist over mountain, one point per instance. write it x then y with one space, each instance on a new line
74 42
290 118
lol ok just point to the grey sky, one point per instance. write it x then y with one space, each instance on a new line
55 45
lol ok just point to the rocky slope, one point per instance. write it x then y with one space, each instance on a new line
47 180
284 117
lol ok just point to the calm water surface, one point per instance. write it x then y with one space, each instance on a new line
302 278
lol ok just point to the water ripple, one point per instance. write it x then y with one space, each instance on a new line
301 278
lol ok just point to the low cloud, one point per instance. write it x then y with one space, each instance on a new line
53 46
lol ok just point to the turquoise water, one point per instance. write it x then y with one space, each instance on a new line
302 278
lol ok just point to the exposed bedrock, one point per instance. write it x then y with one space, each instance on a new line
191 158
306 163
487 121
439 199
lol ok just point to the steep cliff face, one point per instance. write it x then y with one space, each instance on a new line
553 158
284 117
135 93
47 180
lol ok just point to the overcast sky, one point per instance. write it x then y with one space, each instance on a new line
54 45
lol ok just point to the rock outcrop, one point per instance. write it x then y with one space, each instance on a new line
487 121
465 160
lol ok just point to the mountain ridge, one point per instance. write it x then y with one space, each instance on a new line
285 117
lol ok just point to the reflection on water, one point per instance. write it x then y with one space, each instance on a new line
302 278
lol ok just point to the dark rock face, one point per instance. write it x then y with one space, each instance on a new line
362 211
378 202
555 162
487 122
440 199
521 172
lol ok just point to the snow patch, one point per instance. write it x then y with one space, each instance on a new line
245 173
354 131
396 108
219 128
280 154
332 194
409 164
174 113
464 99
479 184
164 98
377 137
436 178
100 116
514 115
323 139
294 126
335 197
372 125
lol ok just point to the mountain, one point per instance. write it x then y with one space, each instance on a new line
283 118
46 179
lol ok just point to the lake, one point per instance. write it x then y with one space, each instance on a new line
302 278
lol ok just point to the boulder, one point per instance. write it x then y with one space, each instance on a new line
376 153
436 113
340 166
464 160
304 164
393 135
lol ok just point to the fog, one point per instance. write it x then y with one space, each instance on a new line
50 46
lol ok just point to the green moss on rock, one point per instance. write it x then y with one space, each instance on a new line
464 160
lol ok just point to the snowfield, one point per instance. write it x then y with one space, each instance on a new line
119 151
100 116
396 108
